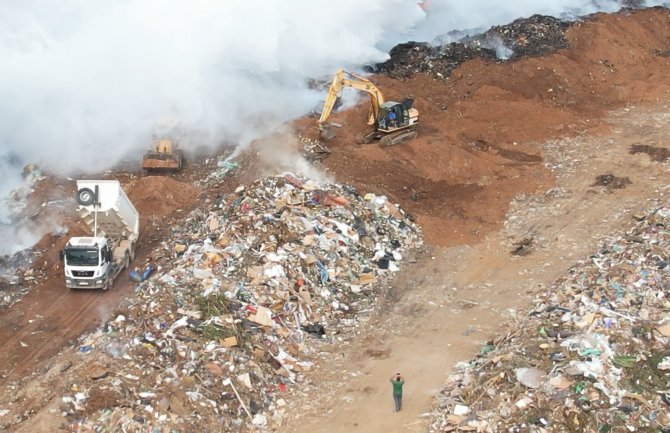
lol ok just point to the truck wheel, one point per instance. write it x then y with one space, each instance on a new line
132 252
126 260
108 284
85 197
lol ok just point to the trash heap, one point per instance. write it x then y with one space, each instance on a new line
537 35
213 340
18 271
593 355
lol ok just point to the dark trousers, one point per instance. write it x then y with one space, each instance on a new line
398 402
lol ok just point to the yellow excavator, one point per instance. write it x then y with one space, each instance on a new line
393 122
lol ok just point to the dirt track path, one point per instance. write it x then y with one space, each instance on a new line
45 321
445 308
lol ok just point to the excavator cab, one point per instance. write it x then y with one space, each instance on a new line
392 115
395 123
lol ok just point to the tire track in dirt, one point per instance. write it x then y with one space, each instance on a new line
71 310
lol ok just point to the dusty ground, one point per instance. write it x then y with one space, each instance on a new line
486 137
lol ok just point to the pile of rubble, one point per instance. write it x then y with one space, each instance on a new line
18 273
537 35
23 269
214 341
412 58
313 150
593 354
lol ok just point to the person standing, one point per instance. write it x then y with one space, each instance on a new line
397 381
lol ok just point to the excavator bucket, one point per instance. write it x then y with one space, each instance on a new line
326 131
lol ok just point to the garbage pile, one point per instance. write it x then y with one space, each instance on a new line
593 354
412 58
537 35
21 269
222 329
18 273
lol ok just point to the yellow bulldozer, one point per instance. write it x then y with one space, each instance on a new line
163 156
393 122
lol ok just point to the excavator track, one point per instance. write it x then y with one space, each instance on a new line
368 137
398 138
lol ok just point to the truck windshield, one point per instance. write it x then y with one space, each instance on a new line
81 257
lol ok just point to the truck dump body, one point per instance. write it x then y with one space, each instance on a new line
94 262
116 215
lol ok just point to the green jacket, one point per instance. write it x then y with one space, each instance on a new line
397 386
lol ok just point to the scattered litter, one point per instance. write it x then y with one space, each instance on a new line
611 182
139 276
596 346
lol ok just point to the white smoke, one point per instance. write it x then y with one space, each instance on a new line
476 16
496 43
84 82
83 87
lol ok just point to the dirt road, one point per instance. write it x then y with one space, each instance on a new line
444 309
33 333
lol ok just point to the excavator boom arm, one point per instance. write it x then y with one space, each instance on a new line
343 79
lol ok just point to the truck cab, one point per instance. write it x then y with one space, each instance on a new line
88 263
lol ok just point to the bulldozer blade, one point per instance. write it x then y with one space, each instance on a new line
162 166
162 163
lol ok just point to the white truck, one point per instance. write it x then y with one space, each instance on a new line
94 262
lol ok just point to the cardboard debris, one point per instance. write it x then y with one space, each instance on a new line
229 342
263 316
664 330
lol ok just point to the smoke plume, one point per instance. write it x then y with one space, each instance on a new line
85 82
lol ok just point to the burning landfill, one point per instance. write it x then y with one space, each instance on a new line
216 339
225 324
535 36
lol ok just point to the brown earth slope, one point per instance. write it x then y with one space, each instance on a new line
476 147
